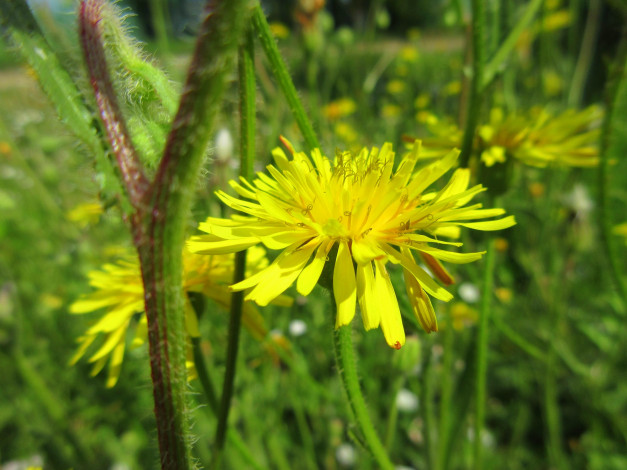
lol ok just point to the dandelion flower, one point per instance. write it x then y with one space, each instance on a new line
120 293
537 138
371 214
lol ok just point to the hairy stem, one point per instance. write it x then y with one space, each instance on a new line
347 368
283 77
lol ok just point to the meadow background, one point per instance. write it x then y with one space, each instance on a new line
368 73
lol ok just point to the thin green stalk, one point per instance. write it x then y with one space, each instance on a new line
246 72
482 352
426 406
390 428
473 109
551 410
279 70
588 45
495 65
446 393
160 19
347 368
303 429
210 394
616 93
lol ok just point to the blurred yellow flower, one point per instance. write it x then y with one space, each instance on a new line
453 88
536 189
422 101
279 30
621 231
390 111
339 108
355 204
552 83
5 148
462 315
347 133
396 87
120 293
409 54
86 214
501 244
537 138
504 294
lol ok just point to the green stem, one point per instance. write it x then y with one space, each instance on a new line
551 407
390 428
495 65
247 153
160 17
347 367
210 394
482 352
476 86
283 77
588 45
446 393
426 405
616 87
162 225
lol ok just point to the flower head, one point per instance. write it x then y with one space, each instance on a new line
120 292
537 138
370 213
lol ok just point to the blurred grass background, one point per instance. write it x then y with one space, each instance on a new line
369 72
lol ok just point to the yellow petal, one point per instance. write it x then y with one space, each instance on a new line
420 303
310 275
115 365
112 341
368 303
344 288
287 269
425 280
391 322
490 225
212 245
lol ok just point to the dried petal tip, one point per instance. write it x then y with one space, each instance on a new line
397 345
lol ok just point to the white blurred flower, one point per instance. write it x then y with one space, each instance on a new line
579 201
297 328
34 461
224 145
346 455
468 292
406 401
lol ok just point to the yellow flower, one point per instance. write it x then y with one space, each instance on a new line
409 54
391 111
86 213
339 108
422 101
371 214
621 231
453 88
279 30
396 87
120 292
537 138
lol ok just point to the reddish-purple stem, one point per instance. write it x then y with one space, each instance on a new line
135 181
